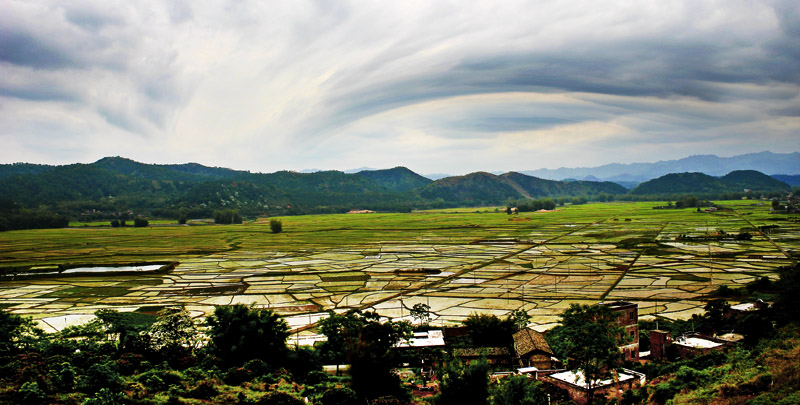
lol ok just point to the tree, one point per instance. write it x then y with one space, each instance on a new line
124 328
787 304
421 312
465 384
239 333
182 217
519 318
588 338
140 222
518 390
489 330
174 333
275 225
16 333
227 217
365 342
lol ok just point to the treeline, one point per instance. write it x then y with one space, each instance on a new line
13 217
227 217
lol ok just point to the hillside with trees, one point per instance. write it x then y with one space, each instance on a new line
699 183
114 185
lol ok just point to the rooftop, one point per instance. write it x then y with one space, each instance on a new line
697 342
618 304
424 339
576 378
528 340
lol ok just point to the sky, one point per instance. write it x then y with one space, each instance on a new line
436 86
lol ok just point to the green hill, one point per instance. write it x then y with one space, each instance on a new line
115 184
750 179
478 188
398 179
699 183
15 169
535 187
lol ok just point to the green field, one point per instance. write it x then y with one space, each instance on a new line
457 261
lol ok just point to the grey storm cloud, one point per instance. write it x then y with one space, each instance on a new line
301 78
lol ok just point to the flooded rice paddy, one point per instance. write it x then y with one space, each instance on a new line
456 262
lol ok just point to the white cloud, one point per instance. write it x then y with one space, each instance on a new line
450 87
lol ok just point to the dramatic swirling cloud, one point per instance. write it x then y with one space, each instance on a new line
436 86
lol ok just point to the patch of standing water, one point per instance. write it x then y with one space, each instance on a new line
151 267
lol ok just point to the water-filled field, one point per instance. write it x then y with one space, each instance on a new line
456 261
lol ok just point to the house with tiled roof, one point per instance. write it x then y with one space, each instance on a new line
532 349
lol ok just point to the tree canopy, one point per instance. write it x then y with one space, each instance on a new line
588 340
239 333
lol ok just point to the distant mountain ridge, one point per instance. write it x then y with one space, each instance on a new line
765 162
117 184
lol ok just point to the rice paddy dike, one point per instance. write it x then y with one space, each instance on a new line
458 261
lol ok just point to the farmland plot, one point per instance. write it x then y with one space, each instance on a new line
667 261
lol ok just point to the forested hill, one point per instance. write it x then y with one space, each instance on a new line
487 188
736 181
116 185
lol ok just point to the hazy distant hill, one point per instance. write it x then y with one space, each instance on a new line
765 162
700 183
436 176
792 180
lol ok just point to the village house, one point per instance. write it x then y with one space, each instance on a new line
428 338
628 318
578 389
685 346
532 350
747 307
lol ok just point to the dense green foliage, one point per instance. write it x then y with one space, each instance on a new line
465 384
364 342
12 217
238 333
112 186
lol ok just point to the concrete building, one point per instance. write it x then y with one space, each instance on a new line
429 338
577 387
689 345
628 318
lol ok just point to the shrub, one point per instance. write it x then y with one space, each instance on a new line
156 380
140 222
30 393
276 225
339 396
99 376
279 398
207 389
63 378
